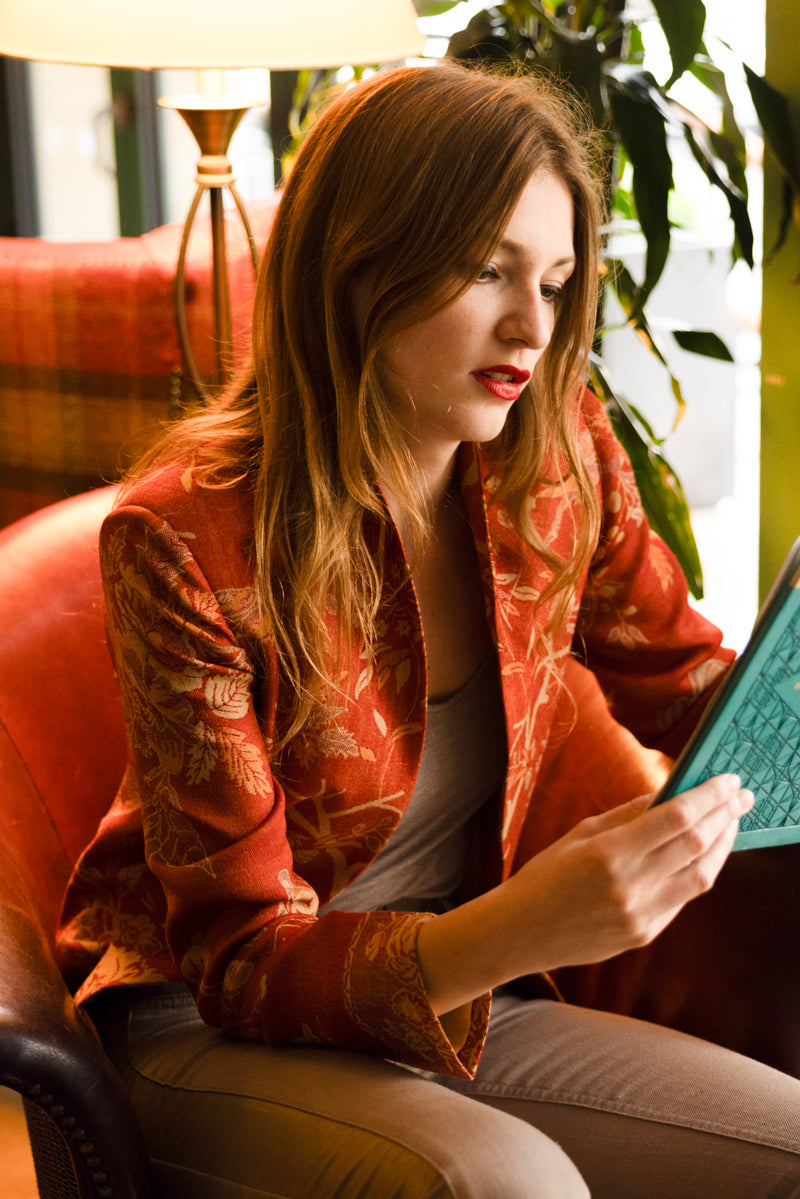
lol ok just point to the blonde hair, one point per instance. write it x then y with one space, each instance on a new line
411 177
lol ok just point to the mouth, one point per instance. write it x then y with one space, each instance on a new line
503 382
506 374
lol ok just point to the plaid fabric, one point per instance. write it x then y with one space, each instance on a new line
90 363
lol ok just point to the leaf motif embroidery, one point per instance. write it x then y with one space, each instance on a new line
402 674
239 606
299 896
228 695
243 761
237 976
662 565
201 759
170 835
337 743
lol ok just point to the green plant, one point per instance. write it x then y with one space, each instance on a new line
597 47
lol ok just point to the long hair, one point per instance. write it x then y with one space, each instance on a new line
409 178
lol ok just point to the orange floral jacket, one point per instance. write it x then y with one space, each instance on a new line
213 860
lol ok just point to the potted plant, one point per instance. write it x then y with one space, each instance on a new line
597 47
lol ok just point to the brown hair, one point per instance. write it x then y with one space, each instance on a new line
412 177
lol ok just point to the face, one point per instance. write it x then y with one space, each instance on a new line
455 376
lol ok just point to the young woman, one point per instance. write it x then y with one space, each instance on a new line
346 605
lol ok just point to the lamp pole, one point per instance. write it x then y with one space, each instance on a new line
213 117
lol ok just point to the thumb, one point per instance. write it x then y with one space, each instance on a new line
621 814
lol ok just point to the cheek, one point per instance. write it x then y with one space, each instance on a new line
418 355
559 329
411 355
397 372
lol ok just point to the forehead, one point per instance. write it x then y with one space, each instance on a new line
543 216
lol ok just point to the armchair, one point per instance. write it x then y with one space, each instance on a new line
62 753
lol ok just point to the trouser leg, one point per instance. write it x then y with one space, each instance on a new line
644 1112
224 1118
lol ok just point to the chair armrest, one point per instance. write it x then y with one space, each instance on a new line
51 1055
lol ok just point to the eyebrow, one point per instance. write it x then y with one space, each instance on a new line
515 247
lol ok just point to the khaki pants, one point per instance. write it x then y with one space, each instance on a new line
567 1102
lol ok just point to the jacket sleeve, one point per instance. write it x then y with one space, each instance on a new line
241 925
657 659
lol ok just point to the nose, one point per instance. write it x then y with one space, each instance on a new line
529 318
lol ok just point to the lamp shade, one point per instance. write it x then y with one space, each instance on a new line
279 34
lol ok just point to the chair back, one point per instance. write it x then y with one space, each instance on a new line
62 740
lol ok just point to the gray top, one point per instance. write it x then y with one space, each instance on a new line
464 760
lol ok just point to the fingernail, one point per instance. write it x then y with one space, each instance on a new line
743 801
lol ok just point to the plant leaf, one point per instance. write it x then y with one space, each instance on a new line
639 117
626 292
772 110
703 341
578 58
659 487
683 22
433 8
737 203
729 144
489 36
786 219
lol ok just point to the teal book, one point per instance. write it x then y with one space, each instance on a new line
752 726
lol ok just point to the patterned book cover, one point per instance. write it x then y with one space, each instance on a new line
752 728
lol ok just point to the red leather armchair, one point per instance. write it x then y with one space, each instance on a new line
62 753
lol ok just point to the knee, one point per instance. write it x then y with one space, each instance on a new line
473 1151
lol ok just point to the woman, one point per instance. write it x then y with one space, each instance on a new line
342 604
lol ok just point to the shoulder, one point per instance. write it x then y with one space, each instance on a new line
175 504
597 437
180 494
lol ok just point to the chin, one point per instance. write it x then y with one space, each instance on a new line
488 431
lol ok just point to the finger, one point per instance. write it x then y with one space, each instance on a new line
644 829
622 814
680 816
699 875
691 844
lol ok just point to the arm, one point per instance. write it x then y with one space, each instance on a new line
241 923
611 884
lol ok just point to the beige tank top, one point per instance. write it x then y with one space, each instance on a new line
463 764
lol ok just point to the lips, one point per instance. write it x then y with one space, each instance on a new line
504 381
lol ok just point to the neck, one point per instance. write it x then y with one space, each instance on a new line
436 478
440 489
434 487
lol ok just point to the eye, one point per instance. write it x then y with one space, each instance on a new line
553 293
488 273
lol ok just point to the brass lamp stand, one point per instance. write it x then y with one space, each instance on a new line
255 34
213 118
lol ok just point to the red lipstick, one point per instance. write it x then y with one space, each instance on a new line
504 381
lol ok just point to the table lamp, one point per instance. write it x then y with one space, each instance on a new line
210 38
